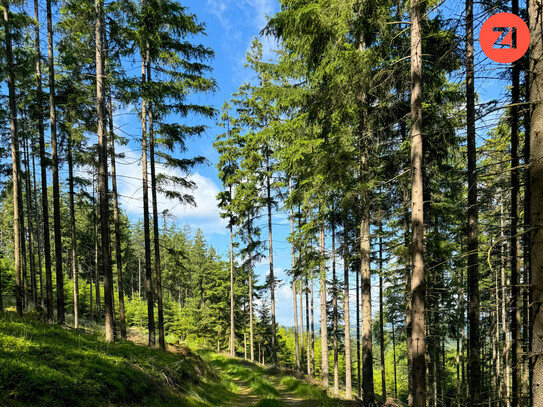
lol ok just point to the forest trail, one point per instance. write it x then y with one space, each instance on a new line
256 385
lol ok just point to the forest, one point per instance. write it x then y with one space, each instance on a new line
373 163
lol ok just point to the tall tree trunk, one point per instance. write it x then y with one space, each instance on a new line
527 244
73 241
312 348
358 359
103 176
29 217
365 284
307 329
295 302
156 235
251 329
301 289
394 362
232 347
54 160
96 258
473 218
15 160
334 310
381 311
324 324
418 374
515 264
348 379
536 186
506 374
270 248
48 299
146 227
116 220
38 238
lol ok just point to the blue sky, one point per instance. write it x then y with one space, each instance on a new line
231 26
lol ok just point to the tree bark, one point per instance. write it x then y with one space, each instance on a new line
324 325
232 347
156 235
473 215
29 217
348 379
54 160
73 241
358 359
116 220
418 374
270 248
15 160
103 176
381 311
334 310
536 186
146 231
294 298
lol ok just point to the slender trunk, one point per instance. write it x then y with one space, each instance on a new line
54 161
116 221
381 316
334 310
73 241
324 325
312 348
96 259
156 235
515 264
146 227
473 234
295 302
358 359
418 374
270 247
29 217
251 330
526 239
232 330
365 285
394 362
301 322
139 277
48 299
307 329
15 161
103 176
348 380
90 291
38 238
536 186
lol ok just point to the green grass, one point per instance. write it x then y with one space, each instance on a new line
46 365
49 365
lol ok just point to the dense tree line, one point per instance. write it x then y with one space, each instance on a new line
365 129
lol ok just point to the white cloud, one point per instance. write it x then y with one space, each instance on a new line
205 215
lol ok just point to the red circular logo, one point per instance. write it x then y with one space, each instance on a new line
504 37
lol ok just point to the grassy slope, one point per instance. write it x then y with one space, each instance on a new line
46 365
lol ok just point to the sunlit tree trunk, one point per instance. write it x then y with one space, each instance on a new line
156 234
418 373
15 160
146 227
103 177
536 216
116 221
54 162
348 379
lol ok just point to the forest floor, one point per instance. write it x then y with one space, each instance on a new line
50 365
